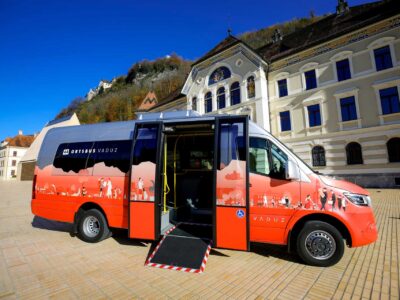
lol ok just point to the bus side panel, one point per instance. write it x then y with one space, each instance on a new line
142 213
59 197
231 230
269 224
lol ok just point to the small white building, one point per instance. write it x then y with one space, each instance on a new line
26 165
103 85
11 152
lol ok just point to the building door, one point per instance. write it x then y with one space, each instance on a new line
145 180
231 183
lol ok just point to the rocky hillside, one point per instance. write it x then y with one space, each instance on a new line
119 102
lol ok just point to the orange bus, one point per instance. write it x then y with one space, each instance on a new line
222 171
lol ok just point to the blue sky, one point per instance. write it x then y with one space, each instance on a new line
54 51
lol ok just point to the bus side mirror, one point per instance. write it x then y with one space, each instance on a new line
292 170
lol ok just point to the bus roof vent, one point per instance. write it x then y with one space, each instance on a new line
179 114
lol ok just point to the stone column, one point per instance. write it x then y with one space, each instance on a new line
262 102
243 91
200 103
214 99
227 96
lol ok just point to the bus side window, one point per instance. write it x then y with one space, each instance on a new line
279 162
145 146
266 158
71 157
231 145
114 154
259 156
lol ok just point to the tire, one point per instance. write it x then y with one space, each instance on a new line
92 226
320 244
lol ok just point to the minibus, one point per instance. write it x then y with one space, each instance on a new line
223 171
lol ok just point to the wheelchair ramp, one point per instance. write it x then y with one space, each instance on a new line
184 247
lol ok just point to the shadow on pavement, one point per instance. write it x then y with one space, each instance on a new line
217 253
121 236
276 251
42 223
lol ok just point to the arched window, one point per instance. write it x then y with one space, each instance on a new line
251 87
218 75
194 103
208 102
318 156
393 148
354 154
221 98
235 93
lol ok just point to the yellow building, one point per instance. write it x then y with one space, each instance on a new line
330 91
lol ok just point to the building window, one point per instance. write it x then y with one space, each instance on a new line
383 59
354 154
389 100
310 79
314 115
251 87
13 163
221 98
235 93
218 75
194 103
393 148
348 109
12 173
285 121
318 156
343 69
208 102
14 153
282 88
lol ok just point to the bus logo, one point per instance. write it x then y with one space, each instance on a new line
66 152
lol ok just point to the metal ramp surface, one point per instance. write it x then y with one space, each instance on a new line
185 247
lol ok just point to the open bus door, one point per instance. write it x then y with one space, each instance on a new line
231 174
144 195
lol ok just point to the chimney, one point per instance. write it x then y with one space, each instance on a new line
342 7
20 132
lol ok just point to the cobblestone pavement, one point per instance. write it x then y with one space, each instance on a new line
39 259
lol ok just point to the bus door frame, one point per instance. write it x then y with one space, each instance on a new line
157 186
245 246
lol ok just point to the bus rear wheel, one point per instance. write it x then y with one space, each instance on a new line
320 244
92 226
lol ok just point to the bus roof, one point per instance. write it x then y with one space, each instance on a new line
114 131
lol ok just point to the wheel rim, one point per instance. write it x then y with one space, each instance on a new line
91 226
320 245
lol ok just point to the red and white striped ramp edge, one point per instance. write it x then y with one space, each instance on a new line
169 267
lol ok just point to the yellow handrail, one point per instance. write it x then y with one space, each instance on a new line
166 187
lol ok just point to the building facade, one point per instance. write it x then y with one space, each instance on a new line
329 91
11 152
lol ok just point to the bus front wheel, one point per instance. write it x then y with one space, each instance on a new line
92 226
320 244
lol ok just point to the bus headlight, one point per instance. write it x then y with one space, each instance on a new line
357 199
